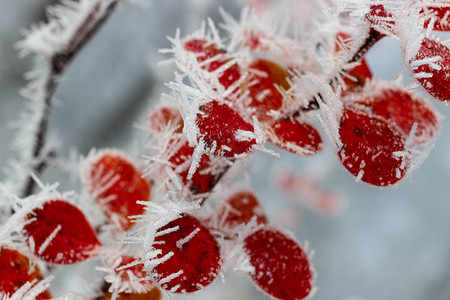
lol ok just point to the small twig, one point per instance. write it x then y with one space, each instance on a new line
373 37
57 64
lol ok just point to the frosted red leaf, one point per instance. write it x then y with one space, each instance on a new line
431 67
371 148
239 209
221 126
137 272
252 40
264 79
59 233
295 136
207 50
437 10
282 268
116 184
162 116
201 180
16 270
194 258
361 73
404 109
153 294
380 18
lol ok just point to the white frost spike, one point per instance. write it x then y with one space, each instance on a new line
30 290
49 239
186 239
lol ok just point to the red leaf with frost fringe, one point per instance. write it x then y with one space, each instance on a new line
192 257
370 148
201 180
137 272
403 108
431 67
153 294
437 10
59 233
295 136
221 126
282 268
239 209
361 73
16 270
208 50
380 19
264 79
116 184
162 116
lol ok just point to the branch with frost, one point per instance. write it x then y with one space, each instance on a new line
54 45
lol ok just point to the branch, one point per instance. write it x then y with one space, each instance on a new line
55 45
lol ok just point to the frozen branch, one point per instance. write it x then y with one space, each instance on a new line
72 24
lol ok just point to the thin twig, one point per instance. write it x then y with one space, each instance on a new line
57 64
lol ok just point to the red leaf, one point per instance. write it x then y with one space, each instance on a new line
440 11
208 50
239 209
153 294
201 180
404 109
380 19
282 268
162 116
264 80
60 233
16 270
434 78
294 136
220 125
369 148
194 256
116 184
137 272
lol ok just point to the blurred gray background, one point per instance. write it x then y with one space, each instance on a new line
384 244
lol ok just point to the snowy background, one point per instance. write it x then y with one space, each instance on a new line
389 243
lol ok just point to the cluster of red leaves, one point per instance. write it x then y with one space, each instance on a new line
190 258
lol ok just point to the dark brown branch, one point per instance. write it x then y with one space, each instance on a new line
57 64
373 37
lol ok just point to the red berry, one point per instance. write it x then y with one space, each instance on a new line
193 256
434 77
162 116
239 209
116 184
263 84
294 136
370 145
59 233
221 127
208 50
439 10
16 270
282 268
201 181
404 109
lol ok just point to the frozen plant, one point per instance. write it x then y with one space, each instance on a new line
148 220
